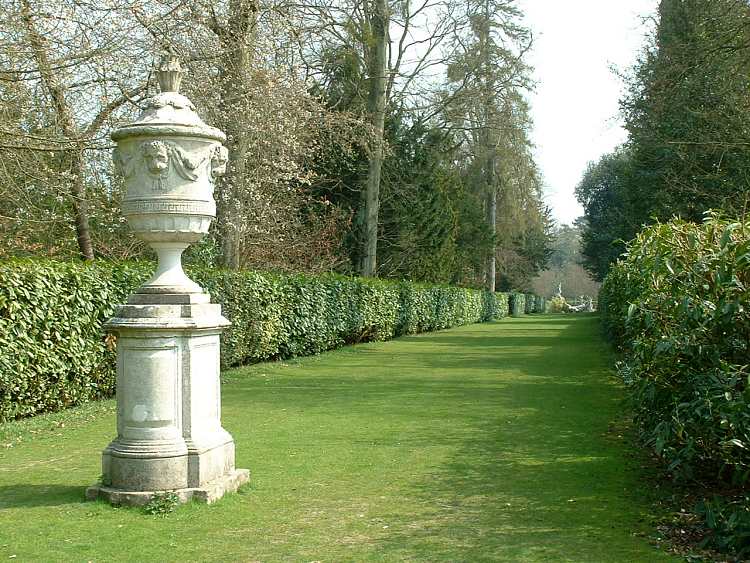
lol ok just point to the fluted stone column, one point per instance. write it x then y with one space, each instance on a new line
169 433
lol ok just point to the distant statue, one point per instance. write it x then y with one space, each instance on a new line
559 290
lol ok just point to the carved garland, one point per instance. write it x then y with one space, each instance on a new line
156 156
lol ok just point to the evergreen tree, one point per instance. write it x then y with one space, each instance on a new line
686 112
486 74
611 214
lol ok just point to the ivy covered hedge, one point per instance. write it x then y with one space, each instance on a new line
677 306
53 352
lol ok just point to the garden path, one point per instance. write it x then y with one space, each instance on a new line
492 442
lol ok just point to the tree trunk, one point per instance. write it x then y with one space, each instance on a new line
80 205
376 109
490 141
491 219
66 123
228 217
236 38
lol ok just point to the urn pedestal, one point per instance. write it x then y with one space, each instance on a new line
169 433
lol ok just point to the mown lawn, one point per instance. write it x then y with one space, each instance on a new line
485 443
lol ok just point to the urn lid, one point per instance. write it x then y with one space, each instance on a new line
168 113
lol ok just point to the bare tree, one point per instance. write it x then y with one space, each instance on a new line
246 80
71 56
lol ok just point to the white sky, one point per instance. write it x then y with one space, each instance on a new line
575 107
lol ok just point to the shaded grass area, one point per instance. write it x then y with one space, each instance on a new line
481 443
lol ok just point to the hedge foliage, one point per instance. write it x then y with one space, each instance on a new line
540 304
53 352
529 303
517 304
677 306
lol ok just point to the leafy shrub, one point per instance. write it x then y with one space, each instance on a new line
53 352
557 304
540 304
620 288
677 306
162 504
494 305
502 305
517 303
52 349
728 519
529 302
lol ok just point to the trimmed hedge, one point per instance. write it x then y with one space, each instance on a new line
517 304
53 352
495 306
530 303
280 316
677 306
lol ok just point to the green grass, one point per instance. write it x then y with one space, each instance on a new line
485 443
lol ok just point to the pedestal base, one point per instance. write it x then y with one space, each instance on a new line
208 493
169 433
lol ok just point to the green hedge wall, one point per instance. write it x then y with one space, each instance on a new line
53 352
517 304
530 303
677 307
495 306
540 304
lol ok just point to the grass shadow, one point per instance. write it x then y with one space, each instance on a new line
539 477
27 496
483 443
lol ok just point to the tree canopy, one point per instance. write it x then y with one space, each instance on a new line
686 111
384 138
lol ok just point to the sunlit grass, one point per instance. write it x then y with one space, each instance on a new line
483 443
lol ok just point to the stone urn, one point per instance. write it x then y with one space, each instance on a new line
170 159
169 432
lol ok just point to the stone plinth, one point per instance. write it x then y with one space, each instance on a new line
169 433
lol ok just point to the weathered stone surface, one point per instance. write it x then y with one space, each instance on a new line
169 299
169 433
208 493
170 160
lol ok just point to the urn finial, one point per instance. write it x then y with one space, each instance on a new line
170 73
